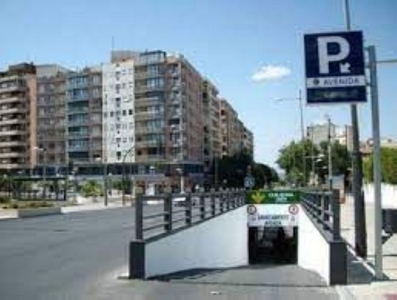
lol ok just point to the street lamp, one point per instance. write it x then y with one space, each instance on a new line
105 180
129 151
299 99
44 150
180 172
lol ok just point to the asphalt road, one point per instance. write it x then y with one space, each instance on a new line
64 256
80 255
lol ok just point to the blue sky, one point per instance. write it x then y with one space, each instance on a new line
227 40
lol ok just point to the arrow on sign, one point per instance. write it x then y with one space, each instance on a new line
258 197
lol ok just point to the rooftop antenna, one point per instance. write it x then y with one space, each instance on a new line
113 42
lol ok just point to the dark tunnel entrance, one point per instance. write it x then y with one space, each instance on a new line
273 245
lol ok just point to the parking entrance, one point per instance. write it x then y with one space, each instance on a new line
273 226
272 245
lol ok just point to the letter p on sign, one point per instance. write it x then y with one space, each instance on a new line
325 57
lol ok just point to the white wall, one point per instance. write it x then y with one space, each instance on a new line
217 243
313 248
389 195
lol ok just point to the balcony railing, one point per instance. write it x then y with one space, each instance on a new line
12 132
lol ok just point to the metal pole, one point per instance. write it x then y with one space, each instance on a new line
359 209
44 172
329 155
377 162
302 136
105 182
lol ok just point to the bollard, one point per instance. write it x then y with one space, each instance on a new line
139 215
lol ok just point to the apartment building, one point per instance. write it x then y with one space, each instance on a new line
212 124
84 115
51 115
248 142
318 133
229 136
118 111
18 120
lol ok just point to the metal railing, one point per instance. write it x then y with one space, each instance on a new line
324 208
174 212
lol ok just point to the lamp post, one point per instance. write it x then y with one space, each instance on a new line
44 150
180 172
302 125
129 151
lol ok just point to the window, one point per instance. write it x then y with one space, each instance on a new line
124 112
130 112
111 113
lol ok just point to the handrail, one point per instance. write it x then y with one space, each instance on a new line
209 205
324 208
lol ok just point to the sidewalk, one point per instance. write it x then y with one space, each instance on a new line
361 272
12 213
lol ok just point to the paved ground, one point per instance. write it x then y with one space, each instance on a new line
62 256
80 255
362 284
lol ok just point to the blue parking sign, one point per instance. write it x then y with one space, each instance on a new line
335 67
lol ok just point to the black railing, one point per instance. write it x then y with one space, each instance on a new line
324 208
172 212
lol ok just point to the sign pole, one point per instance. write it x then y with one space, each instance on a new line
359 208
377 162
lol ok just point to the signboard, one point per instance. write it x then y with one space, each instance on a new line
274 215
335 67
273 197
249 182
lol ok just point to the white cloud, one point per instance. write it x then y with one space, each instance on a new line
271 72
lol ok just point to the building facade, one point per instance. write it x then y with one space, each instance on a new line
318 133
118 112
84 116
51 115
18 121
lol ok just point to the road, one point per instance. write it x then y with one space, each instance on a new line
64 255
80 255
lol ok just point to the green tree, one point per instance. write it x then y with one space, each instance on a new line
299 158
388 166
91 188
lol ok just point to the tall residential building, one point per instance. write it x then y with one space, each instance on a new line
167 112
248 142
84 115
18 117
229 135
51 114
211 116
118 111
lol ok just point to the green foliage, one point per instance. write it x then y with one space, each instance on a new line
388 166
299 158
26 204
91 188
232 171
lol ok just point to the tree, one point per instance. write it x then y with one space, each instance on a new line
298 159
233 169
91 188
388 166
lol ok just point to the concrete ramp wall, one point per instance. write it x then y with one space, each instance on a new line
318 252
219 242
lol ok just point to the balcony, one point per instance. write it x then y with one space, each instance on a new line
13 99
79 98
12 144
12 132
12 155
12 110
13 121
145 129
12 88
77 122
75 111
142 144
78 148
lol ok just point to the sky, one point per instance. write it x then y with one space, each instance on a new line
252 50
